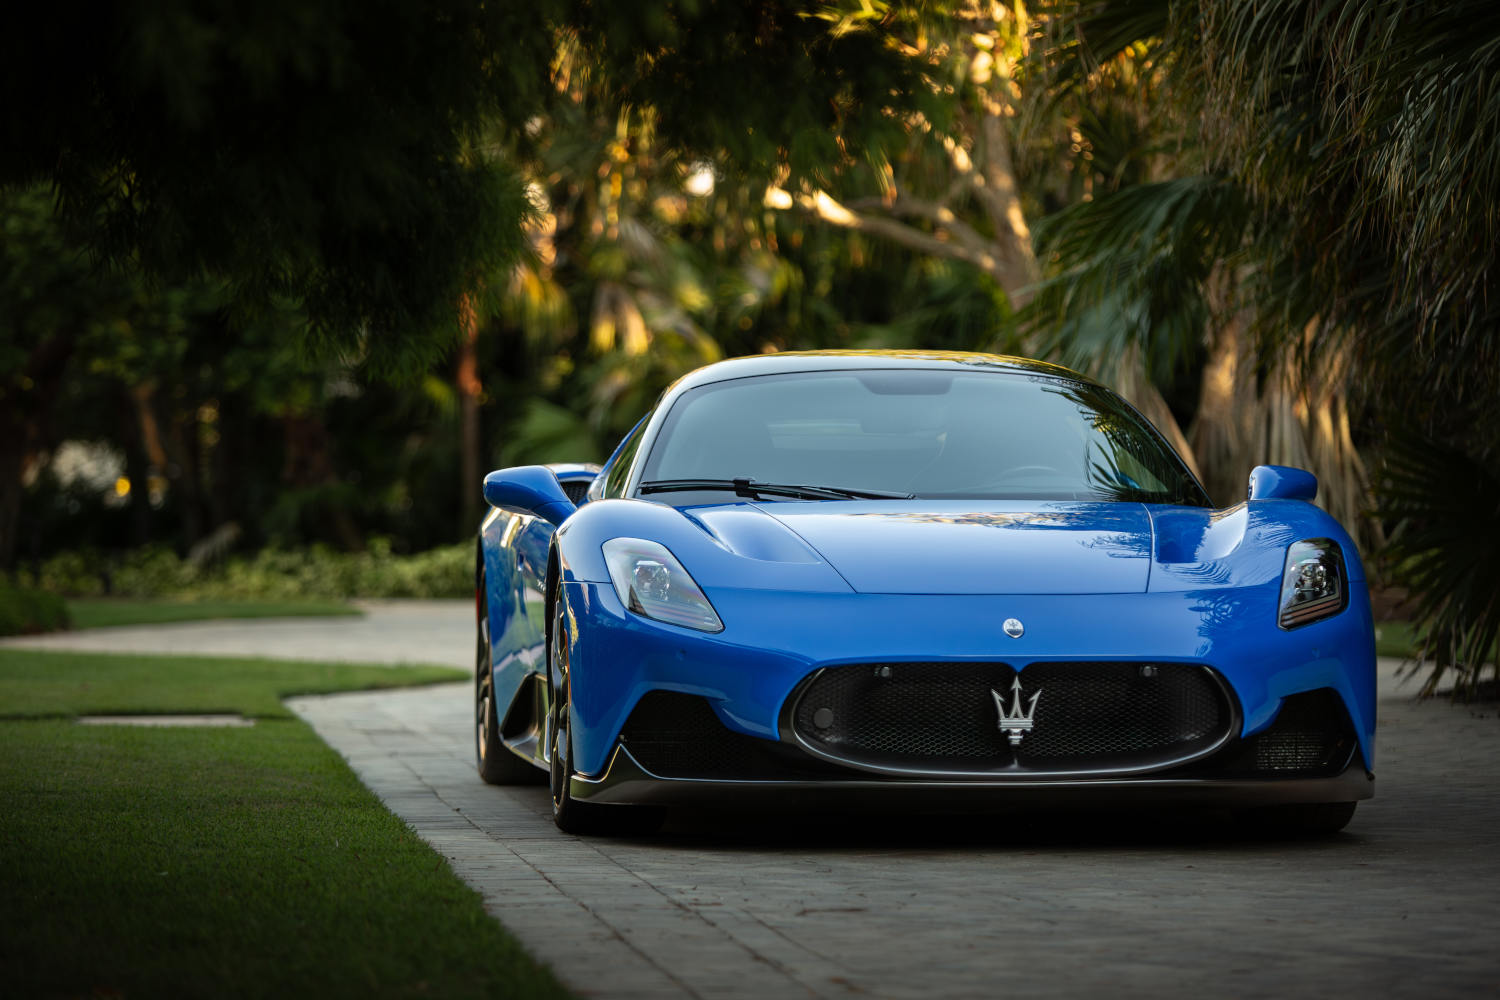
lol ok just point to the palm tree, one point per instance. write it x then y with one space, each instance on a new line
1330 219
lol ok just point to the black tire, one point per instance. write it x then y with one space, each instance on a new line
571 815
1302 819
496 764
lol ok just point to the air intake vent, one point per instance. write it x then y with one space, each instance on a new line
1312 735
675 735
576 491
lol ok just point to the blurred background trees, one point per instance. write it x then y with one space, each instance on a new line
291 274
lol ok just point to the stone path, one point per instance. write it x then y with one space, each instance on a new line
1120 903
389 632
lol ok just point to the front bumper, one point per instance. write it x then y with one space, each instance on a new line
773 641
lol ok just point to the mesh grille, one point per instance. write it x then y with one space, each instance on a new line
901 712
1095 711
576 490
944 716
676 735
1312 734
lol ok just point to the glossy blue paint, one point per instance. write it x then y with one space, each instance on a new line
1282 482
528 489
1214 583
515 552
801 585
985 547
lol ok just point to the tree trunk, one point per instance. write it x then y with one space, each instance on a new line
1221 434
137 470
226 476
184 474
12 458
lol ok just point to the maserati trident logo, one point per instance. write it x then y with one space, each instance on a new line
1015 723
1014 628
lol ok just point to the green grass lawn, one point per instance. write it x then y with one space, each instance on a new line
101 612
1400 639
1395 639
218 862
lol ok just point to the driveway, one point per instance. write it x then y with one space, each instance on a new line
1143 903
1113 903
1404 903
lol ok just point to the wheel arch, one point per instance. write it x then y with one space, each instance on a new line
554 573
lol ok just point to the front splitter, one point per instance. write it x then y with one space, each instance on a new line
625 781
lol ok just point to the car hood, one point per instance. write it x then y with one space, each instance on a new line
948 547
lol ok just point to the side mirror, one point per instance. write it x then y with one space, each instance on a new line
529 489
1282 482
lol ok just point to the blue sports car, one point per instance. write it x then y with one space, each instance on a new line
926 580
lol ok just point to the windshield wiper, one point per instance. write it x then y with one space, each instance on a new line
754 490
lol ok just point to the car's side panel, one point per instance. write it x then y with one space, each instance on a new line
515 549
515 555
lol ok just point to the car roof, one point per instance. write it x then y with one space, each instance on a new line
814 361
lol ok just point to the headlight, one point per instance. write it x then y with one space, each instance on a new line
651 582
1312 585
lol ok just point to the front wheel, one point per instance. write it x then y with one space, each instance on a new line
1302 819
571 815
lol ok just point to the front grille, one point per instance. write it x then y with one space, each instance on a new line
1311 735
675 735
945 717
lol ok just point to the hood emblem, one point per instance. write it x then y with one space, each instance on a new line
1016 723
1014 628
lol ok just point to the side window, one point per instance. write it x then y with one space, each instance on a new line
617 469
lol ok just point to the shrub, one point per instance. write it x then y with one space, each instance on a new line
24 610
317 572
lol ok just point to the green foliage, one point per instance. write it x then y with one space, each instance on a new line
803 83
238 243
314 151
1135 264
1447 550
1356 149
1366 139
344 155
271 574
26 609
202 860
1376 126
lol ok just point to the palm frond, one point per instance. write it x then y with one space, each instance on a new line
1132 267
1446 546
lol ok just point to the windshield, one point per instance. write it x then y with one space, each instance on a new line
932 433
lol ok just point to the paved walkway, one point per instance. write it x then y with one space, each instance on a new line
389 632
1121 904
1125 904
